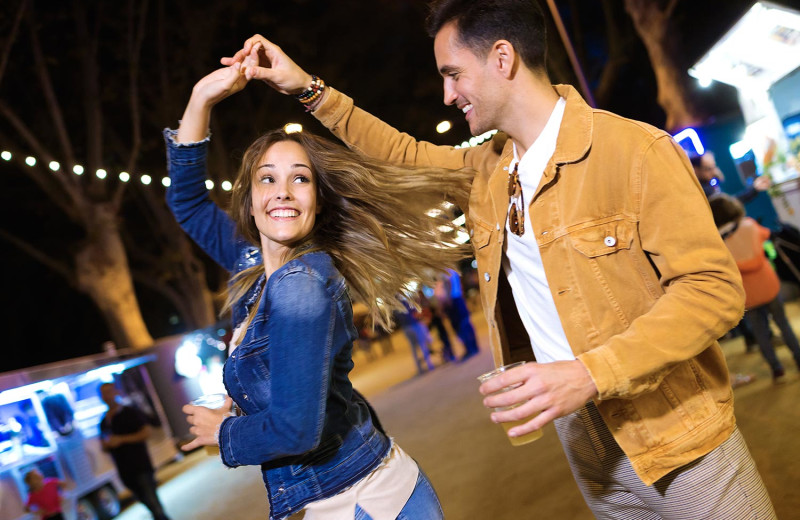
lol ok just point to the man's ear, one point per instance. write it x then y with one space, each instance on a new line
504 57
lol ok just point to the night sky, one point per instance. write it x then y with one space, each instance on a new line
382 58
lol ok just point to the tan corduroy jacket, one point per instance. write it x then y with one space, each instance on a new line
643 284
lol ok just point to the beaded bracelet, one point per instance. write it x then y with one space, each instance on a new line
313 92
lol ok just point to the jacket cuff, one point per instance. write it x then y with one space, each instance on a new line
605 372
224 441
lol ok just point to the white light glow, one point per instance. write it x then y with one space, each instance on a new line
443 127
6 155
77 169
209 184
54 166
739 150
761 48
30 161
101 173
146 179
124 176
166 182
187 362
292 128
227 186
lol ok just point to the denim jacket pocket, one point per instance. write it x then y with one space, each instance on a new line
604 238
481 234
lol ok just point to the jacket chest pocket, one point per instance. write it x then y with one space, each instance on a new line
603 239
480 234
609 272
252 370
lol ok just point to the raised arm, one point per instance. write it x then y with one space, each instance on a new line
358 129
187 197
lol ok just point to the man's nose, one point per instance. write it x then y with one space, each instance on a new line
450 94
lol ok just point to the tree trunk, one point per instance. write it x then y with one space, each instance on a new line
652 23
102 272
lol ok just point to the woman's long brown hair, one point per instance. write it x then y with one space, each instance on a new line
376 221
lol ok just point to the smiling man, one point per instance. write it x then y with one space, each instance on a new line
598 258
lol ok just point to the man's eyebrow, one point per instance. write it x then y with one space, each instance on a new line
448 69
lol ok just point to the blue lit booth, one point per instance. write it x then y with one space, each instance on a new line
49 420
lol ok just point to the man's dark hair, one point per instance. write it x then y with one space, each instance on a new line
480 23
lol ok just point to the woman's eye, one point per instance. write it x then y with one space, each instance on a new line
267 179
301 179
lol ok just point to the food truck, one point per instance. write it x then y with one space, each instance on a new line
49 420
760 57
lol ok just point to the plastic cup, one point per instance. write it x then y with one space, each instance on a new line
214 402
523 439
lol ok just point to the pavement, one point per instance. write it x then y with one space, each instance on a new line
438 418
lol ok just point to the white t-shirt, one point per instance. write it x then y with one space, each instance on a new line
522 261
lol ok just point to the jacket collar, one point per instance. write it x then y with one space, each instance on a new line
574 135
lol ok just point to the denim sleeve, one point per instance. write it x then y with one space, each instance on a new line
300 359
187 197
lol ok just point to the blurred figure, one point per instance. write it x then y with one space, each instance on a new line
451 298
745 239
418 337
44 495
123 434
711 178
435 320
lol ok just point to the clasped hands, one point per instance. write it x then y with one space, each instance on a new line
545 392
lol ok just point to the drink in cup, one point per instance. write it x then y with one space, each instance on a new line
523 439
212 401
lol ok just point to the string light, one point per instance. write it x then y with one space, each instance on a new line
102 173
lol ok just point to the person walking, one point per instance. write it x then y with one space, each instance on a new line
124 431
599 259
745 239
311 225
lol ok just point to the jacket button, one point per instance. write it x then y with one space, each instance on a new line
487 276
610 241
245 397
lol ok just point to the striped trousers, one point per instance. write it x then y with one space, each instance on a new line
722 485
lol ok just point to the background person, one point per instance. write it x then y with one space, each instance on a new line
310 224
598 257
124 431
745 239
44 495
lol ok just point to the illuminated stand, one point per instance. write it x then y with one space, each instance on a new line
760 56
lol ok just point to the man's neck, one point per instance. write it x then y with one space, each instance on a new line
536 99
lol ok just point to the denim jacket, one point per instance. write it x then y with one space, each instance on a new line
302 422
641 279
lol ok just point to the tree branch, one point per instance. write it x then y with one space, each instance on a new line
59 267
12 38
45 181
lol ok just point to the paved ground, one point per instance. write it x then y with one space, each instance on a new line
438 418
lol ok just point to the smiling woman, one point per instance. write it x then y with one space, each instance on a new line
311 222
